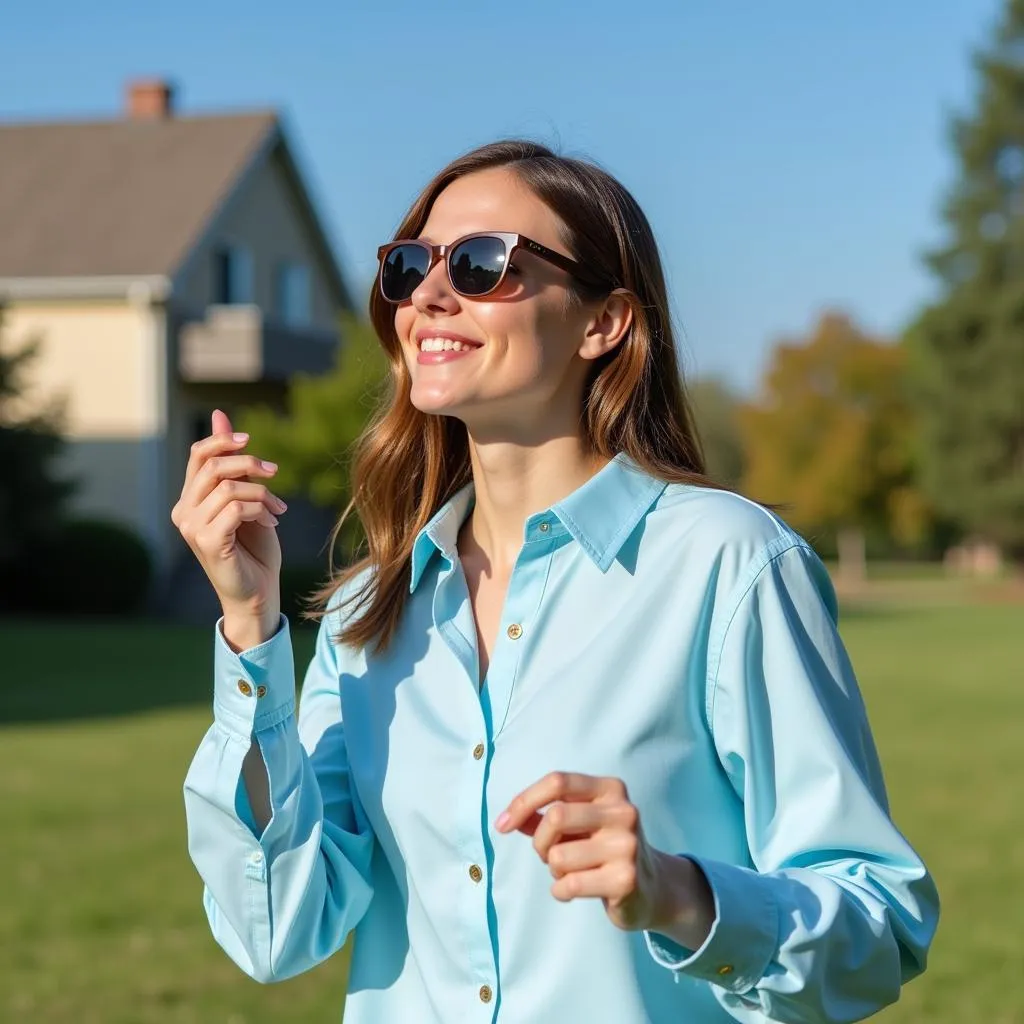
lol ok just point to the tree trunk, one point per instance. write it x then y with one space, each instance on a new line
852 560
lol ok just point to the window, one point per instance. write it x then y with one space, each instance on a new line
292 300
232 276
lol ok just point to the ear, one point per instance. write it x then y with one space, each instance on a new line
609 325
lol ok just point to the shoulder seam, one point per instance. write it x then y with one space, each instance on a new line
769 554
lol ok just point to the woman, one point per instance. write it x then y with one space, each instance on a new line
579 741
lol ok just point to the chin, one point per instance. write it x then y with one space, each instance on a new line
433 404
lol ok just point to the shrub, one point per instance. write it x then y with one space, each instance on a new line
93 567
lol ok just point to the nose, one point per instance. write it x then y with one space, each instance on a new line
434 293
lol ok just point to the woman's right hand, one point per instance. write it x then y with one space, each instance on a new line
229 523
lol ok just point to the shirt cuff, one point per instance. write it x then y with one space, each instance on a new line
743 938
253 689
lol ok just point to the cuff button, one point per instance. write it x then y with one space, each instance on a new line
244 688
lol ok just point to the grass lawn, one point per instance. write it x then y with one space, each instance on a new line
101 920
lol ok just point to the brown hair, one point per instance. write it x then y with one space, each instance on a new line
407 464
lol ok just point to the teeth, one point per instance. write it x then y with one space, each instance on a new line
442 345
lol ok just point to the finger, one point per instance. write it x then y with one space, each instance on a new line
220 468
610 882
218 537
570 786
207 447
220 423
577 855
566 819
235 490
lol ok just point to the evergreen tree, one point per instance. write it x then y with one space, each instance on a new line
968 348
33 498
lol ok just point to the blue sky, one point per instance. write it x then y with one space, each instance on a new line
790 156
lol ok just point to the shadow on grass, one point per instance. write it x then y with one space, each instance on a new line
66 669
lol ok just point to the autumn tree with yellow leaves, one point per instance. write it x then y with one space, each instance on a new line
830 438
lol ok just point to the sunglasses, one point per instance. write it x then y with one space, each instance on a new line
476 263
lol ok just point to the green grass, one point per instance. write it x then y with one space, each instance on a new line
101 920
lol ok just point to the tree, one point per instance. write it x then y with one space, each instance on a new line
33 497
716 411
324 416
830 438
967 349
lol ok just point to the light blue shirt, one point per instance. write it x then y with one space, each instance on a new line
678 638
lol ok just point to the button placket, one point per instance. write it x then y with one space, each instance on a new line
526 588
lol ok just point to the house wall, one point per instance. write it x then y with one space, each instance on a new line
105 360
264 217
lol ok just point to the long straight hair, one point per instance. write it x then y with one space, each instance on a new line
407 463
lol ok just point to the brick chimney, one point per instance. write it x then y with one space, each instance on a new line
149 99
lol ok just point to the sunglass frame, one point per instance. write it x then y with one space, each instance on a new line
513 242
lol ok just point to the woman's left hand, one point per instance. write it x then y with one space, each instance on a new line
592 841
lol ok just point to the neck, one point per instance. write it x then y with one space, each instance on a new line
511 483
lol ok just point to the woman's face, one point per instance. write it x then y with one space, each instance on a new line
523 378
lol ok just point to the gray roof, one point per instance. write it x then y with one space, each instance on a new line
129 197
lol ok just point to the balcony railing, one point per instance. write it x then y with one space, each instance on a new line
236 343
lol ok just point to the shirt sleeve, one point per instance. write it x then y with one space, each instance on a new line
838 911
279 902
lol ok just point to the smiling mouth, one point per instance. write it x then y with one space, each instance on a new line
445 345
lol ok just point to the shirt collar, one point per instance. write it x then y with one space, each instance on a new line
600 515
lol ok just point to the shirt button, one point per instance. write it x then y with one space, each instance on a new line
544 527
475 873
478 751
485 993
261 691
244 688
725 969
515 631
257 857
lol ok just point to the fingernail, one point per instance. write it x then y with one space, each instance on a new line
239 438
268 466
276 520
282 505
503 820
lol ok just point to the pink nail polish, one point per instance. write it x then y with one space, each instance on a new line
503 820
239 438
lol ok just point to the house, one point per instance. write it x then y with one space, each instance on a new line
168 265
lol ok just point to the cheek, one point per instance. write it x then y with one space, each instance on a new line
533 330
405 316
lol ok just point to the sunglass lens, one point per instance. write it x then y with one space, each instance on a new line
403 269
476 265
